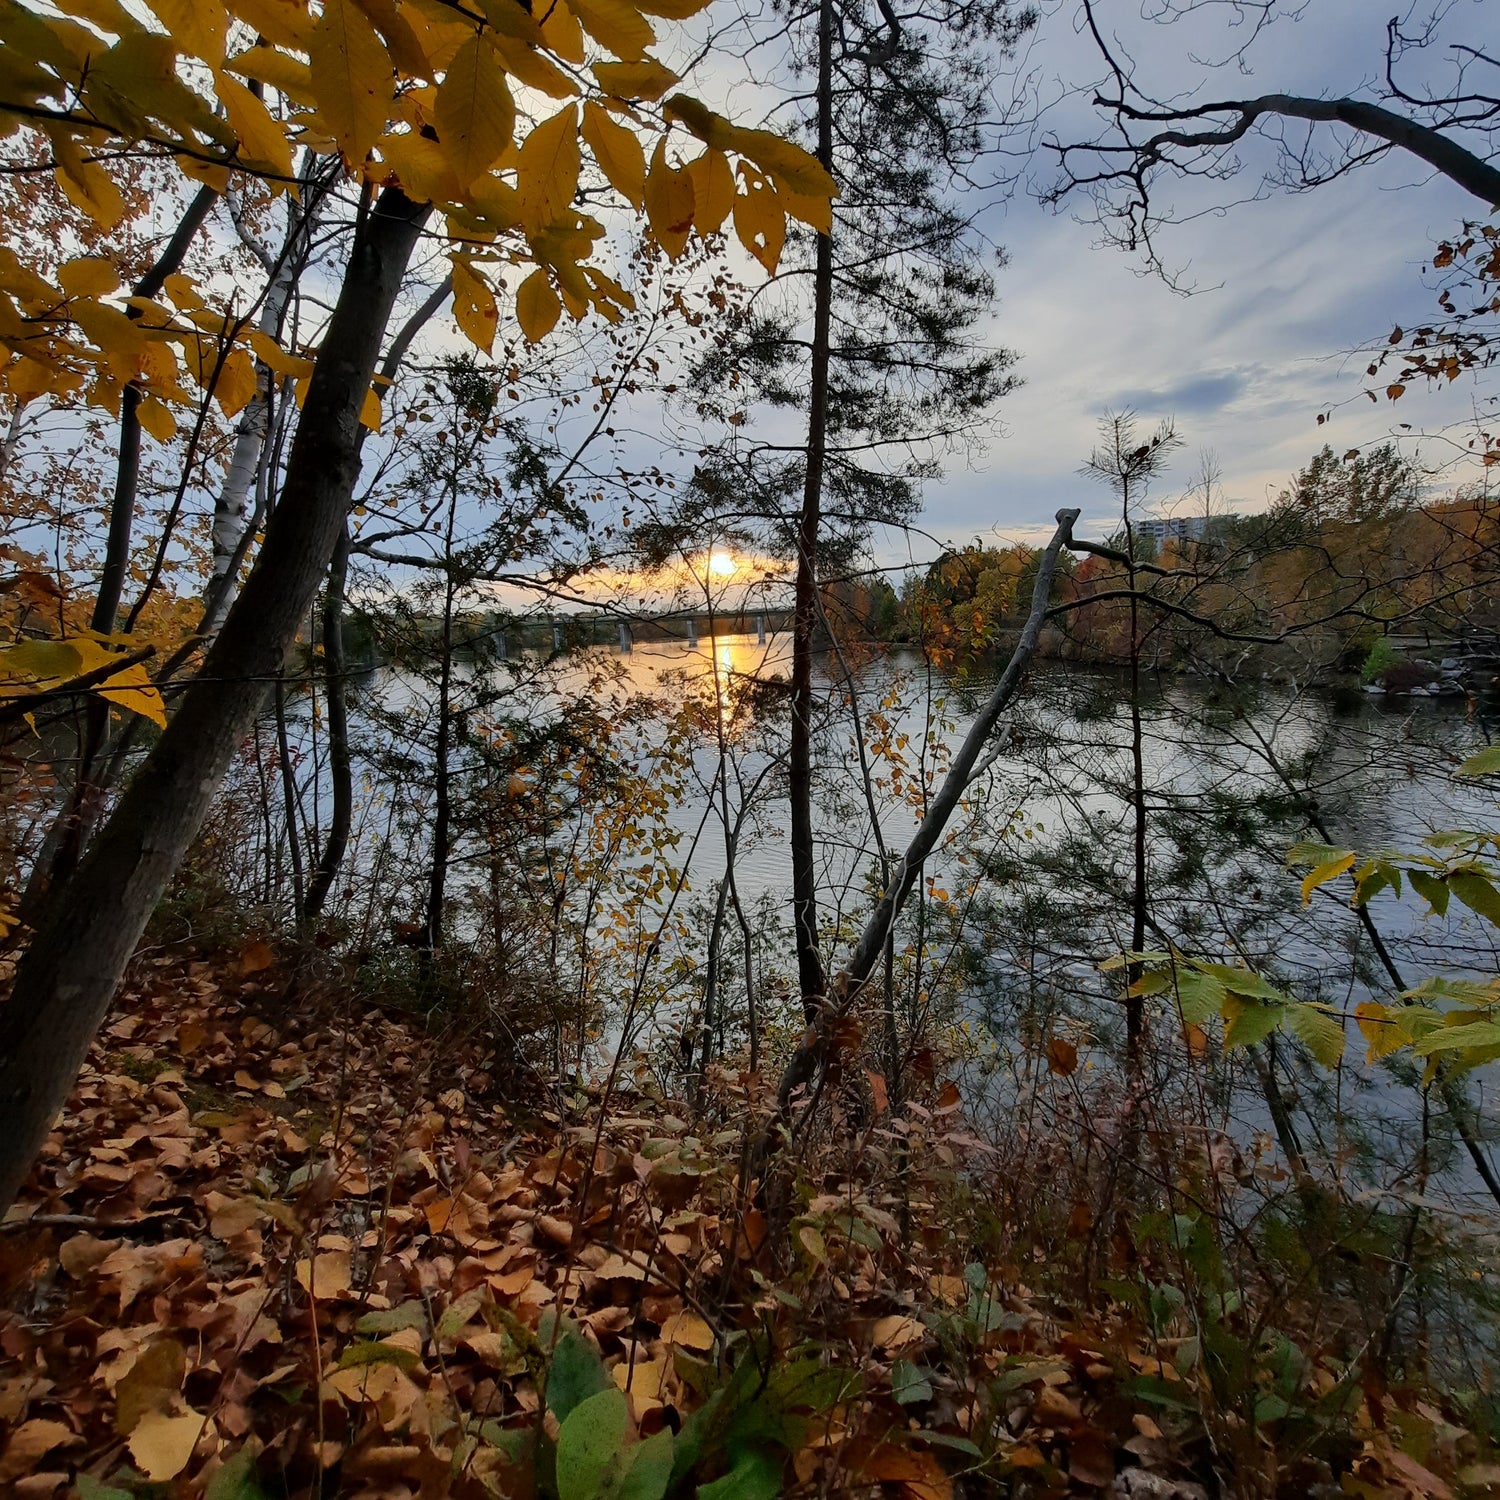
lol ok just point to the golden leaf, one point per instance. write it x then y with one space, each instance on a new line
285 23
474 305
537 305
287 75
617 25
237 383
562 33
647 79
474 115
669 202
618 152
134 690
162 1445
370 410
88 276
351 78
532 68
196 26
713 190
156 417
758 219
262 139
547 169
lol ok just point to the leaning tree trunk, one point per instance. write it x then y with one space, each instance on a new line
799 759
68 976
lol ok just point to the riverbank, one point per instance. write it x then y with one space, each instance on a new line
300 1247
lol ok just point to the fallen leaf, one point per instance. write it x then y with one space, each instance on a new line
32 1441
162 1445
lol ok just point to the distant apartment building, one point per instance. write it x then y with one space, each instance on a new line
1163 529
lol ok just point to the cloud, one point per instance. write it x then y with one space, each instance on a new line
1208 392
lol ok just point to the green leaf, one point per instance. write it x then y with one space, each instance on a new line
1432 890
411 1314
587 1441
1476 892
1456 1038
368 1352
909 1384
1243 982
575 1374
1485 763
1199 996
1254 1023
1311 852
1319 1032
647 1469
755 1476
90 1488
236 1479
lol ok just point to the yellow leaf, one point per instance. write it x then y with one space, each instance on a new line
547 169
285 23
758 220
87 185
351 78
156 418
532 68
474 305
196 26
237 384
401 40
669 202
474 115
647 79
162 1445
562 33
537 305
789 164
1330 870
26 379
618 152
713 190
688 1330
275 358
370 411
132 689
278 70
262 139
88 276
816 211
616 25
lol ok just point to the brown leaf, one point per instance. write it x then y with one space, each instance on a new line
326 1275
1062 1057
32 1441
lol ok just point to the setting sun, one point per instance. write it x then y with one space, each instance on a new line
721 564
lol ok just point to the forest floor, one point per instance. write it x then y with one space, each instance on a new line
277 1248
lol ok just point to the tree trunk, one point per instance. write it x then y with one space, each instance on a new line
65 840
67 978
340 765
810 973
809 1054
335 664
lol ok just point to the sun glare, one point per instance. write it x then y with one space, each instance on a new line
721 564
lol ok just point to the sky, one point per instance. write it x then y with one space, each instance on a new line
1287 288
